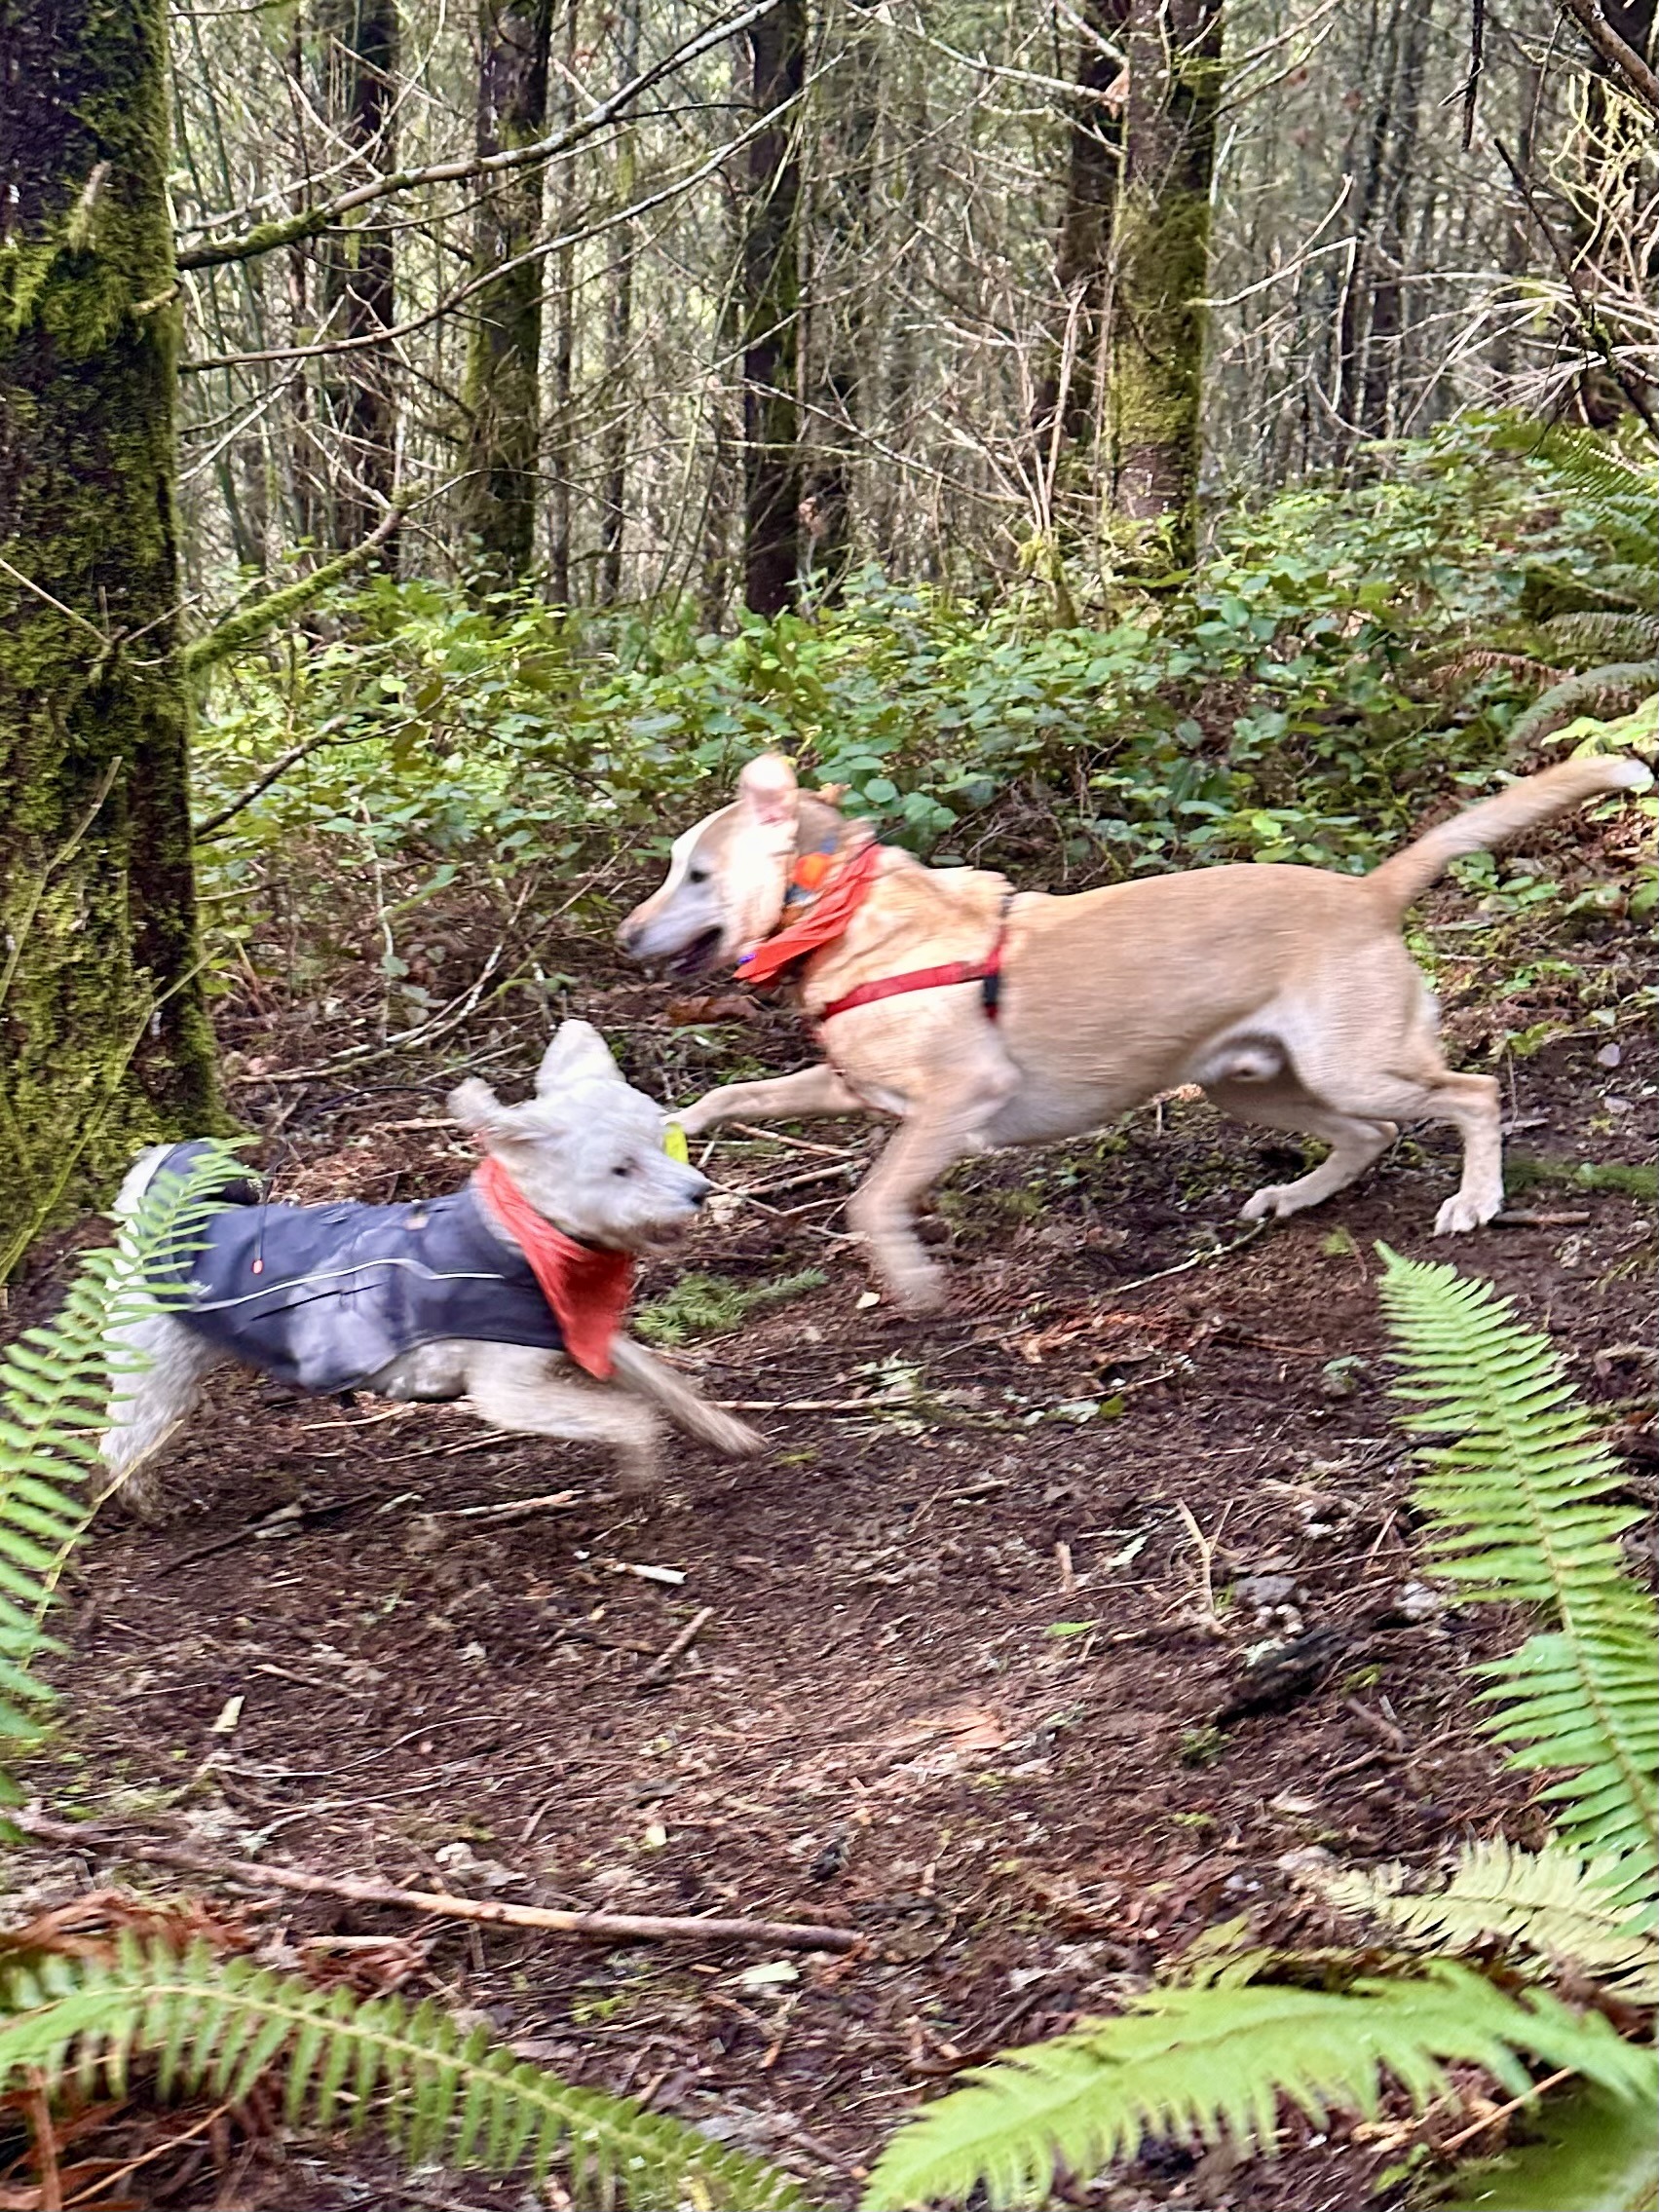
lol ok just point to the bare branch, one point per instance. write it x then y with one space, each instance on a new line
307 222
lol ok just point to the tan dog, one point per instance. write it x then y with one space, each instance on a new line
1286 992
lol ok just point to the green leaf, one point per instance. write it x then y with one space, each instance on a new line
1596 2152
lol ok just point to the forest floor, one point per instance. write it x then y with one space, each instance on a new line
974 1679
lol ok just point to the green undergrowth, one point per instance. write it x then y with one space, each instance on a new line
713 1305
1302 695
1526 1171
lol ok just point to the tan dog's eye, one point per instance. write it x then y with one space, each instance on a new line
696 875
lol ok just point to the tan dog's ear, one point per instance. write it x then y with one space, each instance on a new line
577 1054
766 789
476 1107
831 794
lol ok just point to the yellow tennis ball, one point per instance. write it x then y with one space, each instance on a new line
674 1143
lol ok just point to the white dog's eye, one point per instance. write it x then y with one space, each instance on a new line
627 1167
696 875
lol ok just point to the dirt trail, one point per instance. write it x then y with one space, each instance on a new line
959 1681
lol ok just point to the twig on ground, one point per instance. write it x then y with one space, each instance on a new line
1198 1260
1507 1221
795 1144
605 1927
519 1509
660 1668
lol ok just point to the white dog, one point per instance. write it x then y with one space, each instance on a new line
493 1294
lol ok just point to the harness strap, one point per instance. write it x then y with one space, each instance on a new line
986 973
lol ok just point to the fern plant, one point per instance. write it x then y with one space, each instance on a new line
215 2026
1520 1509
54 1388
1606 621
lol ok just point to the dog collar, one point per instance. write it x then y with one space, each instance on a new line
587 1288
831 884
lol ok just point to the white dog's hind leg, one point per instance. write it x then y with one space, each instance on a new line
1354 1141
534 1394
146 1406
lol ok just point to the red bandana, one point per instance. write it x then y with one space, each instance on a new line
588 1289
825 920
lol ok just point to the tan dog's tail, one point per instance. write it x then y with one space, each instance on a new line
660 1386
1406 874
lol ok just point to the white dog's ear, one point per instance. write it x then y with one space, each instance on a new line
476 1107
766 789
577 1054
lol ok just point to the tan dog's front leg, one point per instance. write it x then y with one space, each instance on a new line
813 1091
534 1394
882 1210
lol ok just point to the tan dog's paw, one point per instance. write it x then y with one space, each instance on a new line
1267 1204
1461 1213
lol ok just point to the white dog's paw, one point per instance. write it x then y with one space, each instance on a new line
1461 1213
917 1289
1267 1204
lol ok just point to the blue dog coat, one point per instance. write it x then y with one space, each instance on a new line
324 1296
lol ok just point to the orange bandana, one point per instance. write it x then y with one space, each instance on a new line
588 1289
847 887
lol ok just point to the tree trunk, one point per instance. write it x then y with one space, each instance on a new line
618 337
848 128
361 65
561 454
103 1035
1094 152
772 289
503 354
1161 260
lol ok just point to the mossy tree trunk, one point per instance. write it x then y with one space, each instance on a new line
499 495
103 1034
1160 262
772 302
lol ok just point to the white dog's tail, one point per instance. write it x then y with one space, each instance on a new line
1406 876
660 1386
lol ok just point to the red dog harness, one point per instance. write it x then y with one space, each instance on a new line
833 896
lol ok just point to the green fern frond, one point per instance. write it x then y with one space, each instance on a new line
1613 690
1516 1513
1614 487
1548 1902
215 2025
1601 635
55 1387
1215 2060
1593 2153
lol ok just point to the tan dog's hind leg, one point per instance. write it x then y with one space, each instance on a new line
813 1091
1421 1087
1354 1143
533 1394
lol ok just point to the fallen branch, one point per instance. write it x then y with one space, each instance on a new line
660 1670
603 1926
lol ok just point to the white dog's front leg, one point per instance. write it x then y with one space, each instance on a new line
813 1091
535 1394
